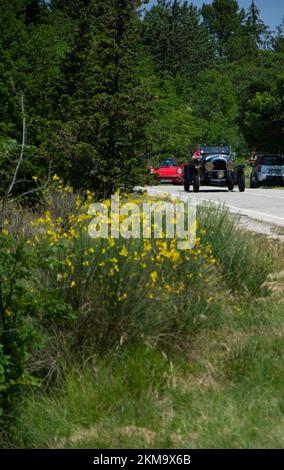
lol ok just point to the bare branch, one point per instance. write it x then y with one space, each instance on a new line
24 136
23 181
15 181
40 188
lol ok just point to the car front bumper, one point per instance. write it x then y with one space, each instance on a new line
268 178
170 179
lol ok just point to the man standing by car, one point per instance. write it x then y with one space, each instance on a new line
253 157
190 171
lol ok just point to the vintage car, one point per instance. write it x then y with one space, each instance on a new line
214 166
168 171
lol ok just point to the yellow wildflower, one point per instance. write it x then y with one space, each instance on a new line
121 297
123 251
154 276
111 242
8 313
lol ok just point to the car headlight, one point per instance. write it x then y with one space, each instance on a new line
179 171
152 171
230 166
209 166
221 174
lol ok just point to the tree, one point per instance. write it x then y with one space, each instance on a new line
278 41
174 129
255 26
264 119
71 8
224 20
173 34
216 110
102 135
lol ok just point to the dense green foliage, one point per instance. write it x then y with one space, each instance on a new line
88 88
105 83
65 297
197 363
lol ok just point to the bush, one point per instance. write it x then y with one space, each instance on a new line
81 296
24 305
123 290
17 334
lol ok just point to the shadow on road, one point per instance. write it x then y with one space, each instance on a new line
212 191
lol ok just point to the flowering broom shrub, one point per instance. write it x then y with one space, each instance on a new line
122 289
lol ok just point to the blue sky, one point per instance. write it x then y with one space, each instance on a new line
272 11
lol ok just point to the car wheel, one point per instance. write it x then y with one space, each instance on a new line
196 184
230 184
186 186
242 183
252 184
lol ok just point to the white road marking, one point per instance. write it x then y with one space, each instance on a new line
242 210
265 195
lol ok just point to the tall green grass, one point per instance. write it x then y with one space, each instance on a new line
224 391
245 259
193 366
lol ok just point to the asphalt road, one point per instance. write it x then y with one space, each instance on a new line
264 204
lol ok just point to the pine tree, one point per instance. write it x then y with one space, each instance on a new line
278 40
178 42
224 20
108 104
36 12
71 8
255 26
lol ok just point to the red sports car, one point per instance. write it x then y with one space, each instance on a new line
168 171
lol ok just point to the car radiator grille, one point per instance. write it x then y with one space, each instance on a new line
219 165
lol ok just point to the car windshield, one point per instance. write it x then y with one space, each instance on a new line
215 150
273 160
168 162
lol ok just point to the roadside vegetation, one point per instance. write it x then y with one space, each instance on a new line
145 346
132 342
177 77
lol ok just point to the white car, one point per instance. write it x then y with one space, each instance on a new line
268 169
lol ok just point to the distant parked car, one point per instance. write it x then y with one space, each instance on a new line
268 169
168 171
